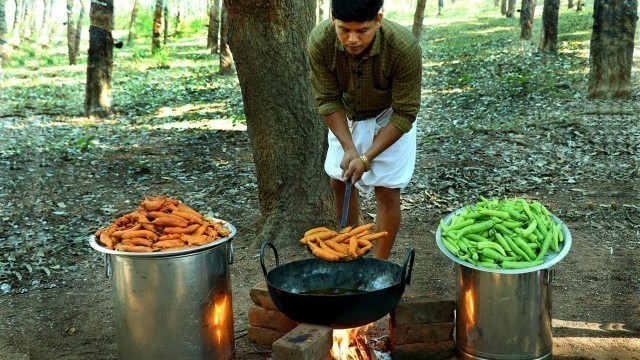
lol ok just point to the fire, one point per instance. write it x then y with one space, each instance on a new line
350 344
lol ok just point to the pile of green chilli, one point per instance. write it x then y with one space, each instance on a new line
508 234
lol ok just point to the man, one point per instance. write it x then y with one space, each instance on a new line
366 74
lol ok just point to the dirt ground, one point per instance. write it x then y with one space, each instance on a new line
69 313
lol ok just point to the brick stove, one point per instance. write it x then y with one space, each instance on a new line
419 328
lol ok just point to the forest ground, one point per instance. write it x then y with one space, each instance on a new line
497 120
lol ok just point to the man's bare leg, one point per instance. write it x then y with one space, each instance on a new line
338 188
388 218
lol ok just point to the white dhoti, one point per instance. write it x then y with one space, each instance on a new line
393 168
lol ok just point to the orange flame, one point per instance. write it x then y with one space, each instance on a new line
350 344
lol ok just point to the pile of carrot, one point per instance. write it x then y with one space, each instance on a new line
346 244
161 224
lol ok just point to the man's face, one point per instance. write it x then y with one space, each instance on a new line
357 36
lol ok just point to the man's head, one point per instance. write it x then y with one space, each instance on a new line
356 23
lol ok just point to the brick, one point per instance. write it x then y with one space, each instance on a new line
263 336
260 296
429 350
270 319
305 342
411 334
423 310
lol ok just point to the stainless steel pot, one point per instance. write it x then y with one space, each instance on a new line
504 314
173 305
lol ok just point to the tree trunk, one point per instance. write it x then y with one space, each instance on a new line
27 20
526 18
165 17
178 28
511 8
440 6
503 7
4 47
46 21
288 136
570 4
157 27
214 26
549 36
100 59
78 37
418 18
17 22
579 6
132 22
71 33
226 58
611 55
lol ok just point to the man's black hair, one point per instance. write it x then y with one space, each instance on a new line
355 10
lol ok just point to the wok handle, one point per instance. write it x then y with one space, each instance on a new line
275 252
408 259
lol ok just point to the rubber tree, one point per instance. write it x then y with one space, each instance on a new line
287 134
549 35
213 28
4 54
100 59
611 55
418 18
526 18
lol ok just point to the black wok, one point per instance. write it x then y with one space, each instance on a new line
340 295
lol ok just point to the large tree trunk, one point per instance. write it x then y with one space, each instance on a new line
418 18
79 28
100 60
27 20
511 8
503 7
287 134
17 22
157 27
214 26
611 55
549 36
579 6
132 22
570 4
4 46
71 33
226 58
526 18
440 6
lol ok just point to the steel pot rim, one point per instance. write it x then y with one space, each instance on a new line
550 259
157 254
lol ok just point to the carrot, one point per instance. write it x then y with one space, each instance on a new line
180 229
346 230
363 250
184 208
140 234
337 247
329 249
119 233
137 242
362 228
152 204
322 235
315 230
133 248
374 236
144 221
211 232
363 242
321 253
353 246
201 229
170 222
168 243
187 216
197 240
169 237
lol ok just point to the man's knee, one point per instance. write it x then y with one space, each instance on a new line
387 196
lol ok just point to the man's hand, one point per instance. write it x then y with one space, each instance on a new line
352 167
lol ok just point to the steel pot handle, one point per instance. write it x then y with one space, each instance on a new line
408 259
230 248
275 252
107 266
